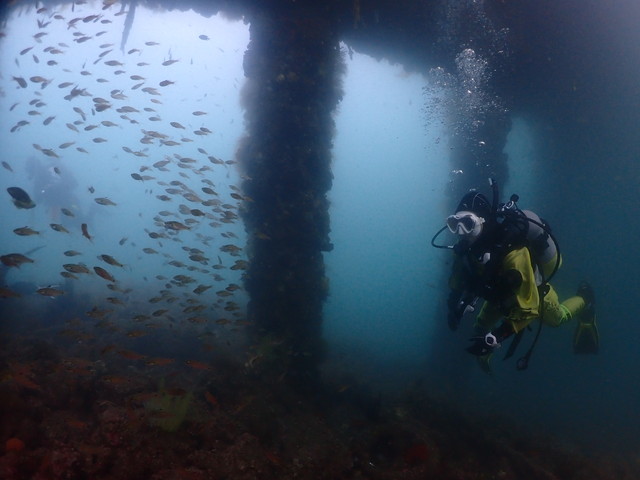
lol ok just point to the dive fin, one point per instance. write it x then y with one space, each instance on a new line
586 338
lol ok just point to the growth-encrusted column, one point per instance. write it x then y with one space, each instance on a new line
293 68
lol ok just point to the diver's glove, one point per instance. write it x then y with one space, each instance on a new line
486 344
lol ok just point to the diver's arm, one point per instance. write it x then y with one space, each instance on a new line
461 300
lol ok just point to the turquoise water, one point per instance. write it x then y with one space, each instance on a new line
384 318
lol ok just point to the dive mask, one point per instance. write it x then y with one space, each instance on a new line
465 223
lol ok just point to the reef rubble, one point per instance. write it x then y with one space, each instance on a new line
81 413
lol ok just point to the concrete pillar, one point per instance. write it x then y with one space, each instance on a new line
293 67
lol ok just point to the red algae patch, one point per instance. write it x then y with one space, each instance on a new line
14 445
416 454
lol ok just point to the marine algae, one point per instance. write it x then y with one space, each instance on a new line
167 410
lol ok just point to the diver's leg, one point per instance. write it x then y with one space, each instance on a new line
556 313
580 307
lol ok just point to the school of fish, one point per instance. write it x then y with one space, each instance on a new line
172 166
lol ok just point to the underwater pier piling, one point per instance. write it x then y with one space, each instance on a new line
292 68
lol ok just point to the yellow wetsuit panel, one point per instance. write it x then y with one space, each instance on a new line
527 297
526 307
527 300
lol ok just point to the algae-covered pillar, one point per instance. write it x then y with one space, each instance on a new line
292 68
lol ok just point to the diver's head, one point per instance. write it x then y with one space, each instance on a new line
471 214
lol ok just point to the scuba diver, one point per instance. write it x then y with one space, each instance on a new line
54 188
506 257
